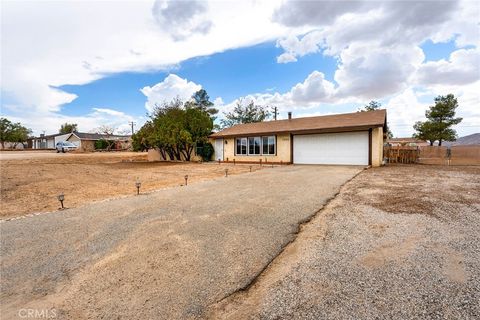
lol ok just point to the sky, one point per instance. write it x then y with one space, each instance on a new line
100 63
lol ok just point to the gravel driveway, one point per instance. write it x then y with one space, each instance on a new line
165 255
399 242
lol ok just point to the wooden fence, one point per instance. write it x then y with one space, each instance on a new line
455 155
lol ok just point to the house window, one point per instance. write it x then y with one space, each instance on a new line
241 146
254 145
268 144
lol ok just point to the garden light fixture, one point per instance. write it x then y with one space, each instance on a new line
60 198
226 173
138 184
186 179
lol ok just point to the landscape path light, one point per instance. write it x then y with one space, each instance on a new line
138 184
186 179
226 172
250 168
60 198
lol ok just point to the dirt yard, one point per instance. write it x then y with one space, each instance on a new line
398 242
31 181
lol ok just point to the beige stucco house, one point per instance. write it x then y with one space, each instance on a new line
343 139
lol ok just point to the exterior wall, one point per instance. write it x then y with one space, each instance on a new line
283 152
87 146
61 138
83 145
75 140
377 147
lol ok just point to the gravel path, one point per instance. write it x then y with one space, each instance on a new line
399 242
164 255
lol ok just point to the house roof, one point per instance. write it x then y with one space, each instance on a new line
330 123
98 136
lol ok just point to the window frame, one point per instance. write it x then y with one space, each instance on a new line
261 145
241 145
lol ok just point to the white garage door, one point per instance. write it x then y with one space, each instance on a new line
331 148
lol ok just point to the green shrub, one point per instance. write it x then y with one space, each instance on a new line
205 151
102 144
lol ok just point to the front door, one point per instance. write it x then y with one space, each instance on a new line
219 149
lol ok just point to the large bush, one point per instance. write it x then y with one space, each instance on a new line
103 144
205 151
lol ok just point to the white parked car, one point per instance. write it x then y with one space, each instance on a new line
65 146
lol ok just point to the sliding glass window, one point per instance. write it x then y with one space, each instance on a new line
242 146
268 144
254 145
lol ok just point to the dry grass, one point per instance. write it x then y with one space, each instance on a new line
30 183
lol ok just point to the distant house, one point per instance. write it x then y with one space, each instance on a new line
348 139
409 142
46 142
84 141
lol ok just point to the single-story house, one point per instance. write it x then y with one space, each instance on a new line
344 139
410 142
86 141
46 141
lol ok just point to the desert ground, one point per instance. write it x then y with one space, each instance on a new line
31 181
292 242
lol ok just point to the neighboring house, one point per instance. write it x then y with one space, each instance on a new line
86 141
410 142
347 139
46 142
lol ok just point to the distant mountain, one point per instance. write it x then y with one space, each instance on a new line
473 139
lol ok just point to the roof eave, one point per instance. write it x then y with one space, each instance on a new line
302 131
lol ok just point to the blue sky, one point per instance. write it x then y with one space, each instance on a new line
328 57
229 75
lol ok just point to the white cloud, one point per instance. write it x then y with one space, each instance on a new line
295 47
463 67
338 24
50 44
372 72
170 88
314 89
182 18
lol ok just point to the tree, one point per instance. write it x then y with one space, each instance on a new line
19 134
371 106
5 131
440 119
175 128
375 105
142 140
245 113
68 128
107 131
13 132
201 100
425 131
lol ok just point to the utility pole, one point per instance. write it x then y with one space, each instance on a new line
275 113
132 124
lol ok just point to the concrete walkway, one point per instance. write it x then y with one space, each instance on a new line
169 254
